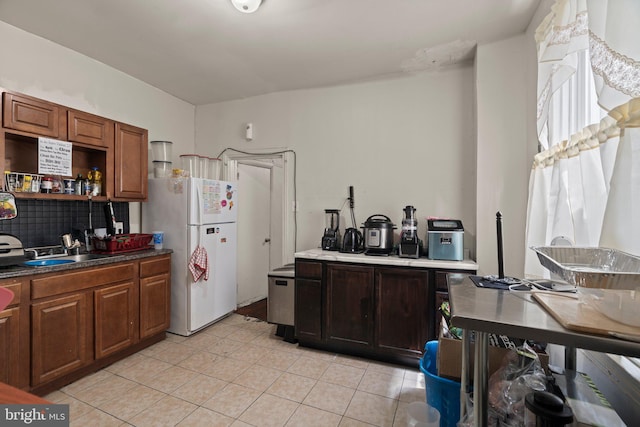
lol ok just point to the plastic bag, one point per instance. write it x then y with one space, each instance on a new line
519 374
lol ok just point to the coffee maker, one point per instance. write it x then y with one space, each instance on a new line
410 245
331 238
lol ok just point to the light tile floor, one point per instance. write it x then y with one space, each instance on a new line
238 373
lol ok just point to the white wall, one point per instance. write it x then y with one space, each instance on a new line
38 67
504 156
405 141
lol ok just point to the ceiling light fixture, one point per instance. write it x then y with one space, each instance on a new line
246 6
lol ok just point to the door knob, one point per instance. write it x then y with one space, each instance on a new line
267 240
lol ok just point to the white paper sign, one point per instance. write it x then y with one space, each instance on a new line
54 157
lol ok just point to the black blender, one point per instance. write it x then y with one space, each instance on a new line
410 245
331 238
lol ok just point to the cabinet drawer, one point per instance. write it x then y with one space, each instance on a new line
155 266
89 129
311 270
84 279
28 114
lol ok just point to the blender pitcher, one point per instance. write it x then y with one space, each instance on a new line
331 237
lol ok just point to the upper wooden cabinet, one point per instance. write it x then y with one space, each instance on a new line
131 158
32 115
119 150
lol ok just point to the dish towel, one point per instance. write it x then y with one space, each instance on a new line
199 264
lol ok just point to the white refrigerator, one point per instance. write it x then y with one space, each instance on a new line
196 212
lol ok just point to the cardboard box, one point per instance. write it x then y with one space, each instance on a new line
450 358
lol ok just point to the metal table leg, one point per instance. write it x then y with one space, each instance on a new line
481 379
464 372
570 358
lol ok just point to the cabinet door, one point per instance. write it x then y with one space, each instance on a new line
131 162
9 346
114 318
155 304
32 115
89 129
308 310
402 310
349 318
60 337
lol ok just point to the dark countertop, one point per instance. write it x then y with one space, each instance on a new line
18 271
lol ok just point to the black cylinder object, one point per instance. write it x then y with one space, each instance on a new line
549 409
500 254
351 201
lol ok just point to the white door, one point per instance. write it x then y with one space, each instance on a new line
254 184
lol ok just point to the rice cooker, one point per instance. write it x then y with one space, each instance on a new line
378 235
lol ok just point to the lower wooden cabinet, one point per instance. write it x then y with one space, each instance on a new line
9 345
385 312
61 336
155 295
114 318
308 312
14 335
402 321
88 318
349 305
308 316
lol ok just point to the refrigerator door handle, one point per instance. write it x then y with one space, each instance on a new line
199 205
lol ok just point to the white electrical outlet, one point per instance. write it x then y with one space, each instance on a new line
119 227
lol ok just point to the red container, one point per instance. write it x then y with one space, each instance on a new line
122 243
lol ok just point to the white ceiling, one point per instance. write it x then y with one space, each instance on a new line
205 51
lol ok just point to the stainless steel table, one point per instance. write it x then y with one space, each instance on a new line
488 311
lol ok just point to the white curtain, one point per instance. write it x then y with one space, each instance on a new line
585 184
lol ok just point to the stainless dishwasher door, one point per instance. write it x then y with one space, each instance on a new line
281 300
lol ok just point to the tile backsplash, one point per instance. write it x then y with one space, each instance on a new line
42 222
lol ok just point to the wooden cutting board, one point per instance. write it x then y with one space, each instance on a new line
581 317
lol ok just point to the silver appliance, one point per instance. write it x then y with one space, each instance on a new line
446 239
378 235
281 301
11 250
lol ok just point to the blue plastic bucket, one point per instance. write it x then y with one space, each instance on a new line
442 394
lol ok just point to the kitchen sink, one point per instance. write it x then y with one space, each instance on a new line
47 262
63 260
82 257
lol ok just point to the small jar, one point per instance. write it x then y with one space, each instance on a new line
46 186
69 186
56 185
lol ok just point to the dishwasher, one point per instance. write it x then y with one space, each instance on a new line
281 301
